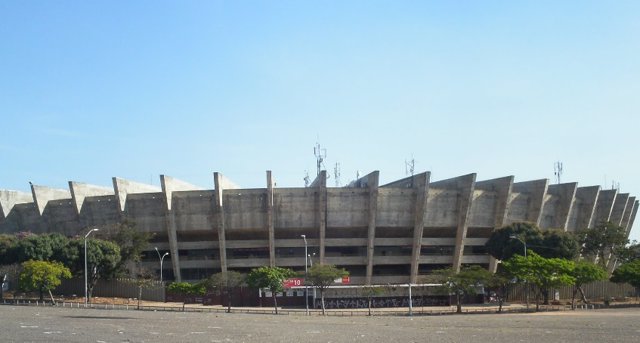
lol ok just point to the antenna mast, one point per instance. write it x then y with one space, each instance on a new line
409 166
336 174
557 171
320 154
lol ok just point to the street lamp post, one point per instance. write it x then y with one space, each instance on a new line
161 259
86 287
311 259
306 292
521 241
524 243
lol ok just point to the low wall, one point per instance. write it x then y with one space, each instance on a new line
120 288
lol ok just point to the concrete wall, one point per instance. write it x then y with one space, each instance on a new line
382 233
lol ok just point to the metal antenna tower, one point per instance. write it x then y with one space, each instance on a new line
557 171
336 174
409 166
615 185
320 154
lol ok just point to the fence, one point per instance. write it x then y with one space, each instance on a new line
120 288
598 290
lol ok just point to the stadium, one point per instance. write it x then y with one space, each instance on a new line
382 234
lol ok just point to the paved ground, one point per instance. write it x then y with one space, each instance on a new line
51 324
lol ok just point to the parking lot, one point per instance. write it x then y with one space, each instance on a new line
54 324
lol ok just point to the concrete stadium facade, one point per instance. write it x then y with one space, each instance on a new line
382 234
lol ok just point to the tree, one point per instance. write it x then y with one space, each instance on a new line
370 292
46 247
501 246
270 278
186 289
544 273
42 276
585 272
548 244
224 283
132 243
606 241
460 283
321 276
143 279
500 283
558 244
102 260
629 273
629 253
7 255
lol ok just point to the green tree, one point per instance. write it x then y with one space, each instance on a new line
500 283
102 260
544 273
606 241
466 281
558 244
187 289
46 247
42 276
585 272
321 276
629 253
7 244
270 278
629 273
224 283
501 246
370 292
132 243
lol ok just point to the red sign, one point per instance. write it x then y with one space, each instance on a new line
345 280
288 283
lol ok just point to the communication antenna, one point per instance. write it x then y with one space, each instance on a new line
306 179
409 166
320 154
557 171
336 174
615 185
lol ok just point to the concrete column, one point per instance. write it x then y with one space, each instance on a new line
536 189
633 216
466 185
627 214
270 224
588 197
373 181
502 188
219 209
173 244
421 185
604 206
566 193
619 207
170 185
321 184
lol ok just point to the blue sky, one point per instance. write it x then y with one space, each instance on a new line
134 89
